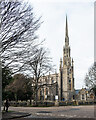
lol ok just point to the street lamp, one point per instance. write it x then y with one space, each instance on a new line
46 99
56 97
56 100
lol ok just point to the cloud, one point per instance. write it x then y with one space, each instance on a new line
81 32
58 1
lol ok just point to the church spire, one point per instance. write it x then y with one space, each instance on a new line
66 29
66 33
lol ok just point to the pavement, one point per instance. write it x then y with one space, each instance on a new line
50 113
25 116
13 115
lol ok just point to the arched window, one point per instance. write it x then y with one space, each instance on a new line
82 96
73 96
69 81
52 81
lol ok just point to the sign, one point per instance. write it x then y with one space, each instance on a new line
45 96
56 97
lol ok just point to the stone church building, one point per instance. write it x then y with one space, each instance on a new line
60 85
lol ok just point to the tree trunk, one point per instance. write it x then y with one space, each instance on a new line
36 100
15 95
36 94
30 100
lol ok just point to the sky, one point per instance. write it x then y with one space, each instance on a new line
80 16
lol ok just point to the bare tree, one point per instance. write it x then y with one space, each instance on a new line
18 32
40 65
19 49
90 78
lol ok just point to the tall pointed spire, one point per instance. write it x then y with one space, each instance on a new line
66 33
66 29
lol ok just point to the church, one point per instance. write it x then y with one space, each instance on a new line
66 71
60 86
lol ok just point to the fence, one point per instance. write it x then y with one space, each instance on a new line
50 103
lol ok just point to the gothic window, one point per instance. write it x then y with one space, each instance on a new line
69 71
46 91
73 96
64 50
70 81
69 52
69 86
82 96
52 81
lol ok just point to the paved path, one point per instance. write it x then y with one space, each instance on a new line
13 115
57 112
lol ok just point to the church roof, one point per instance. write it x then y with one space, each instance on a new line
77 91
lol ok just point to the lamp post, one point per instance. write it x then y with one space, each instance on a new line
56 96
56 100
46 99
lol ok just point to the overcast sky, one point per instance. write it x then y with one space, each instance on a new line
81 32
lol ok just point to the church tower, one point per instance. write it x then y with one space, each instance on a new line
66 71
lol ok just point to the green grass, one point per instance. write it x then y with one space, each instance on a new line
9 111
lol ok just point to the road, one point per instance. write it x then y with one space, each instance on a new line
57 112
